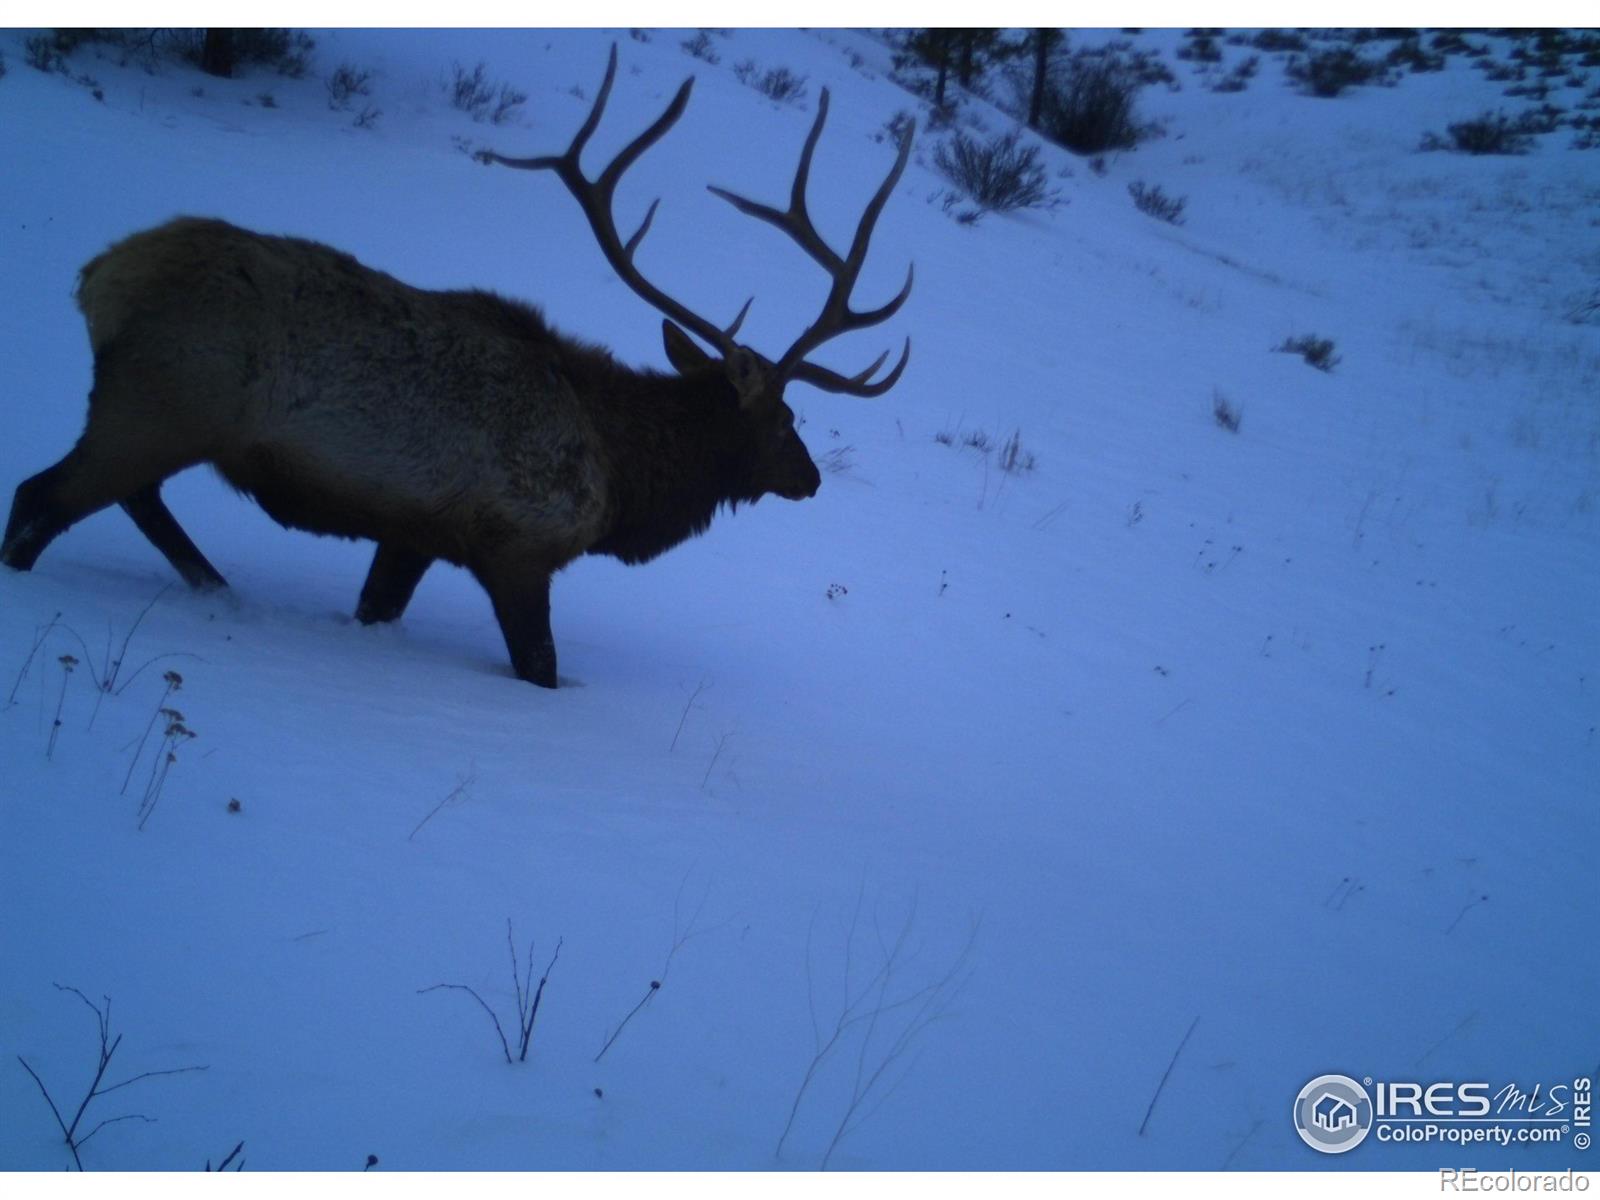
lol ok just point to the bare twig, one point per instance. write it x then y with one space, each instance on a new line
655 986
223 1165
108 1048
1166 1074
505 1046
174 683
1465 909
112 667
927 1003
40 634
462 784
681 935
1241 1143
67 663
1429 1052
693 696
870 1003
711 766
528 998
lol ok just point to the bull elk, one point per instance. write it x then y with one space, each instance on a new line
451 425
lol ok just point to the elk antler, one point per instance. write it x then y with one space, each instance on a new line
595 196
837 316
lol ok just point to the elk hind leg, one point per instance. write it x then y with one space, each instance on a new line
158 524
114 462
391 582
36 518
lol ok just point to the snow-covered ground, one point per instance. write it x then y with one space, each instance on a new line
945 807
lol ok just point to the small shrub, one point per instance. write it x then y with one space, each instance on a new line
1409 53
1318 352
1000 175
267 100
779 83
345 84
2 66
976 440
39 52
1091 110
1200 45
1225 413
1279 40
1012 458
286 51
1331 73
481 98
367 118
1153 202
700 46
1491 133
1239 78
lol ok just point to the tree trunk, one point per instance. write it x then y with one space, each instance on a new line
217 55
1041 68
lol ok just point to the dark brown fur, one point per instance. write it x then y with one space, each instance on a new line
442 425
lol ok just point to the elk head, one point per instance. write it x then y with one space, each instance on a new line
778 460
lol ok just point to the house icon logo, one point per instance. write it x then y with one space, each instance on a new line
1333 1114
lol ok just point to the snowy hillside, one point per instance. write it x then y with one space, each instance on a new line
959 812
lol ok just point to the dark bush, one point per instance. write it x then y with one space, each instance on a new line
1200 45
1091 109
779 83
39 52
999 175
1279 39
1491 133
480 97
286 51
1332 72
1318 352
346 83
1410 54
701 47
1153 202
1239 78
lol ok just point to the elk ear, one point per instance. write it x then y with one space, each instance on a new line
682 351
747 374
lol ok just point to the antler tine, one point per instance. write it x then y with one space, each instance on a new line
854 385
837 316
594 197
796 222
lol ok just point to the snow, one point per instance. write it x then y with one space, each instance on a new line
1290 730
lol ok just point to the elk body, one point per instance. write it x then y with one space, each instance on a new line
450 425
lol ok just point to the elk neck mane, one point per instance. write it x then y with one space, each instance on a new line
673 446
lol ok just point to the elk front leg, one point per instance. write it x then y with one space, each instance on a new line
391 582
521 598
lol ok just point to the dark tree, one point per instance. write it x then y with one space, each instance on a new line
976 50
219 53
934 49
1041 42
